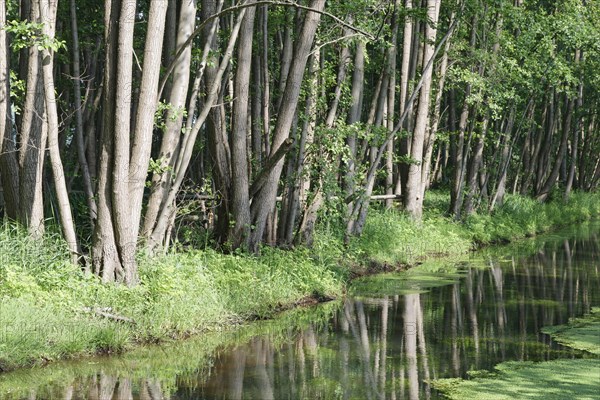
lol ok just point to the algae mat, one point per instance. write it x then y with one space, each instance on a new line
557 379
549 380
579 333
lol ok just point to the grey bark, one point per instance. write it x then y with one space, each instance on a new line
80 142
62 196
9 169
413 198
239 235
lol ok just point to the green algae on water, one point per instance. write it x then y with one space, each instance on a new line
549 380
580 333
558 379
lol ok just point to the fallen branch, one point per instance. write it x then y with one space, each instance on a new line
104 312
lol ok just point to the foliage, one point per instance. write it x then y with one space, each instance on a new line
393 238
29 34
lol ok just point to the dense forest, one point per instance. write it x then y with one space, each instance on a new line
137 125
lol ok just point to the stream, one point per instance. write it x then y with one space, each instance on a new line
387 339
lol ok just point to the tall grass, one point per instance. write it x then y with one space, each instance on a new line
50 307
522 216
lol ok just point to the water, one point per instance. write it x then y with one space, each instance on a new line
386 340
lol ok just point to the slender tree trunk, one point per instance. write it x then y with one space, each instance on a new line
354 116
391 103
62 196
121 211
144 118
576 135
239 234
174 117
474 168
80 142
435 118
9 168
187 145
404 86
456 190
309 209
413 198
105 258
544 191
33 140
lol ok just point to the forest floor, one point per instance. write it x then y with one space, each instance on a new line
51 310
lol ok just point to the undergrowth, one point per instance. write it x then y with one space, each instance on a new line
50 309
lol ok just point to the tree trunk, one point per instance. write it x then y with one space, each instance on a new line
9 169
413 198
174 117
80 142
187 145
105 257
144 118
544 192
33 139
62 196
404 86
239 234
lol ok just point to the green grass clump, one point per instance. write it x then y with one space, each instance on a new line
50 307
521 216
392 238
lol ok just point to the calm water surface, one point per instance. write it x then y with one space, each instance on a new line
386 340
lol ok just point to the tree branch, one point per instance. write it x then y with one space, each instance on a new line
269 165
241 6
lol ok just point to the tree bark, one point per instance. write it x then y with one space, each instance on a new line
174 117
33 140
9 169
239 235
80 142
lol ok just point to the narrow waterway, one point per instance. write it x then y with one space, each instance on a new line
390 337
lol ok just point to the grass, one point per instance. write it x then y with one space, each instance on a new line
521 217
45 313
170 364
48 305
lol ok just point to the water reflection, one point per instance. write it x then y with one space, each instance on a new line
388 345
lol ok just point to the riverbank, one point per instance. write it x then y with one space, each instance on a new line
51 310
